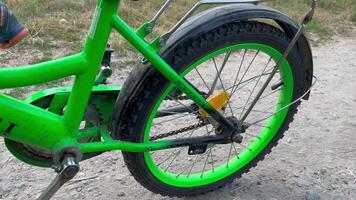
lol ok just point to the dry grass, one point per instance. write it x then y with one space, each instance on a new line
64 23
59 27
332 16
61 23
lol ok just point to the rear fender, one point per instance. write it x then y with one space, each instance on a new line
216 17
203 23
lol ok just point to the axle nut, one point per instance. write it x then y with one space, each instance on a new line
237 138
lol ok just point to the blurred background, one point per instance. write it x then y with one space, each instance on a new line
59 23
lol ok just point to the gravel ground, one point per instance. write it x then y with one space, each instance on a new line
315 160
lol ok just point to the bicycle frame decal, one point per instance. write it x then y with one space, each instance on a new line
34 126
6 130
94 23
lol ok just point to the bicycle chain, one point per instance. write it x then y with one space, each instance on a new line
176 132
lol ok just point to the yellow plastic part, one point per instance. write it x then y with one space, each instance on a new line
218 100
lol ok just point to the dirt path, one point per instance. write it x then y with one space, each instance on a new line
315 160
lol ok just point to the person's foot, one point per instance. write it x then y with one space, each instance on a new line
11 31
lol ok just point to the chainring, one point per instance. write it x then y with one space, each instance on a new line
44 158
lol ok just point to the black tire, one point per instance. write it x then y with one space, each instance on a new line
135 102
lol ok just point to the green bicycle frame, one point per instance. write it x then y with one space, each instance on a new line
25 123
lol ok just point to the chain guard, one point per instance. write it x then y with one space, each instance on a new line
94 116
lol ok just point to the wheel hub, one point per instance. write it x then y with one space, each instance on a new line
239 128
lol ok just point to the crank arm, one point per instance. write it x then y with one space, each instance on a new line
69 169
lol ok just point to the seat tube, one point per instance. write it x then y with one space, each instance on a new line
93 53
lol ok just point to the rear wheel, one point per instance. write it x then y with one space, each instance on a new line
234 59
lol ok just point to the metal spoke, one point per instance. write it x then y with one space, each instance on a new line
288 105
202 79
197 157
174 99
244 146
254 110
207 157
212 160
248 81
257 111
206 160
228 159
263 97
248 68
179 150
254 88
172 154
177 154
236 153
265 111
258 137
269 79
227 56
190 170
188 108
238 71
262 126
222 84
263 119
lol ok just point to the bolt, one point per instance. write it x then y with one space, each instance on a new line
162 42
237 138
149 29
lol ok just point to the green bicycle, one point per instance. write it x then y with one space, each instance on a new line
209 100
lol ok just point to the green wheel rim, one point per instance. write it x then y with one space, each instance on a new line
255 147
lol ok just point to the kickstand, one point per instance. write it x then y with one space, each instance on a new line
68 170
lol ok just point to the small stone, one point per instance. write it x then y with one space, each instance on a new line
21 185
62 21
121 194
232 192
312 196
78 189
258 183
81 174
5 187
323 171
72 193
